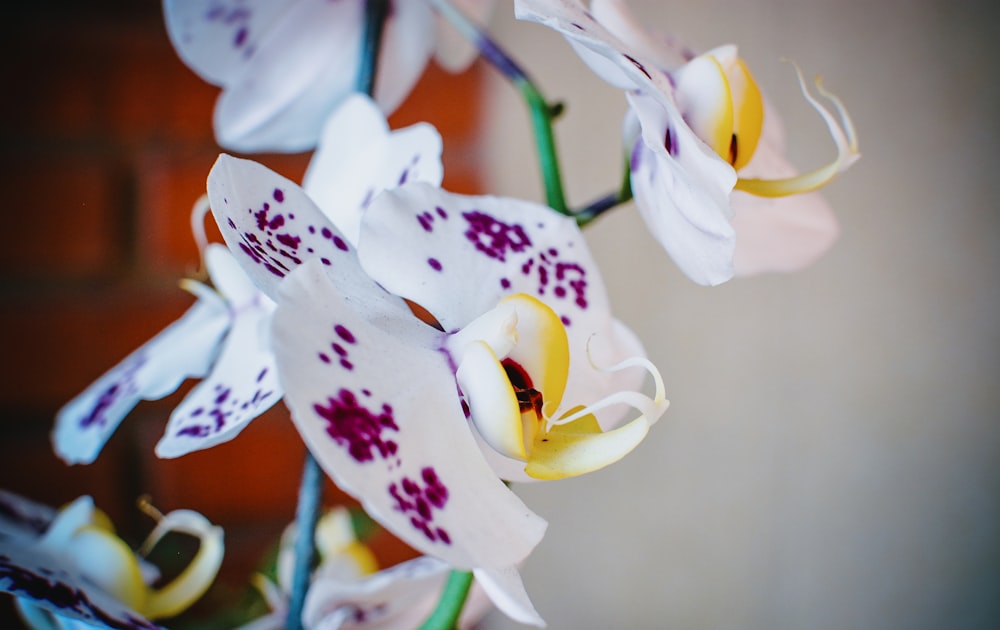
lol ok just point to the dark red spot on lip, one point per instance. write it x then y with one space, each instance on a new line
279 195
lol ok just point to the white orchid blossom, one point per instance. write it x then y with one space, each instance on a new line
224 335
384 400
228 330
348 589
68 569
284 65
703 133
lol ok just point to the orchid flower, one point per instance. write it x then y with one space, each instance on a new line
379 395
68 569
227 330
348 589
703 133
224 335
284 65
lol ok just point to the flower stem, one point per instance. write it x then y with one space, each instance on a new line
376 12
542 112
306 517
601 205
449 607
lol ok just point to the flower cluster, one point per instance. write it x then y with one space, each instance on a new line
432 348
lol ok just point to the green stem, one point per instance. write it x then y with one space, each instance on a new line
376 12
542 112
449 607
306 517
601 205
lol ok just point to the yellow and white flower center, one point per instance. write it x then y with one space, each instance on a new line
513 366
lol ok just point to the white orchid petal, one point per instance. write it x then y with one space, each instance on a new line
504 586
219 40
242 385
358 157
682 192
302 67
382 417
48 582
184 349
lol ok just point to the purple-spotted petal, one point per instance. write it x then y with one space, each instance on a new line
303 66
272 226
41 579
243 384
682 191
219 38
458 256
380 411
23 517
184 349
358 157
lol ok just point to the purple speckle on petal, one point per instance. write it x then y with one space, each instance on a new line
358 429
420 499
434 263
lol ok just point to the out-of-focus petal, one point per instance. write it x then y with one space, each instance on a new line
219 39
184 349
41 577
407 46
382 416
304 65
454 52
358 157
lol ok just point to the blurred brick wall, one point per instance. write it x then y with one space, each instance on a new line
105 143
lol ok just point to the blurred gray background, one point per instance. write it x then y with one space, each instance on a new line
830 458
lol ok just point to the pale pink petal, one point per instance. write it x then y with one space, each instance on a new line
778 234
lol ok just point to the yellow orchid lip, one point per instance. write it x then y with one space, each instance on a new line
510 389
722 103
83 533
844 136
